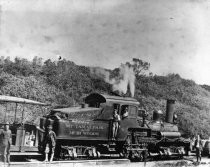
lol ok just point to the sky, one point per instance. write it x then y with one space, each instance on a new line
173 36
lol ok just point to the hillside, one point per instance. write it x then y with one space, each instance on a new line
65 83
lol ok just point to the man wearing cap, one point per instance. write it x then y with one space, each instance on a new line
5 142
50 142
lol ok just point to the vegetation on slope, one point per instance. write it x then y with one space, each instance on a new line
65 83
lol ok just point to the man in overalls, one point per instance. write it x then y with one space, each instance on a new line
5 142
50 142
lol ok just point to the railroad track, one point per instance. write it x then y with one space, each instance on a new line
187 161
72 163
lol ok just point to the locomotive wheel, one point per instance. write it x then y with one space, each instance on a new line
98 154
187 151
142 156
126 154
63 154
145 155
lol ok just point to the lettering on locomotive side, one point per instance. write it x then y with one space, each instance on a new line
85 129
85 126
91 127
83 133
75 133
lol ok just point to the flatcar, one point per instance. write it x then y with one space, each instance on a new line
87 131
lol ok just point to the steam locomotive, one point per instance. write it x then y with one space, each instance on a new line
86 131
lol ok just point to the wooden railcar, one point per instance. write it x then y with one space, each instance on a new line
25 135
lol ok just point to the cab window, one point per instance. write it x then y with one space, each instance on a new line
140 112
132 111
124 111
127 110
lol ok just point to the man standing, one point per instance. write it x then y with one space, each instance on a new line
50 142
198 146
116 124
5 142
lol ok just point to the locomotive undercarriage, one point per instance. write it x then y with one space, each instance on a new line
74 152
165 149
135 152
87 150
136 147
172 150
132 151
130 148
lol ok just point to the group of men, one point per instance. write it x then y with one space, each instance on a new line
6 141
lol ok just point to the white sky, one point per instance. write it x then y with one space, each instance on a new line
172 35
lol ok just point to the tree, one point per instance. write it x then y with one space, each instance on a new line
37 65
140 67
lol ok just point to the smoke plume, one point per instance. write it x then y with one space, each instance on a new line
125 78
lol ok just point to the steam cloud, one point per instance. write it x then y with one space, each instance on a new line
120 83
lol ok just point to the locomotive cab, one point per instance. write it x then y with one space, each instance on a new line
127 108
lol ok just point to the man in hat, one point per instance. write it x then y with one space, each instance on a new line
5 142
50 142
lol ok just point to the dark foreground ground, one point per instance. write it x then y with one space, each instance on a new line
189 161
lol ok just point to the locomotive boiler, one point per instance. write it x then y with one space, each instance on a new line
87 131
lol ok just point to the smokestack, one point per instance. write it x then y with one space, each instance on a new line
170 110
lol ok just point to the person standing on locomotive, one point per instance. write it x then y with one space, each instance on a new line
5 142
49 143
116 124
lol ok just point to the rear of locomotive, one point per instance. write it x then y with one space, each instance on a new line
168 140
